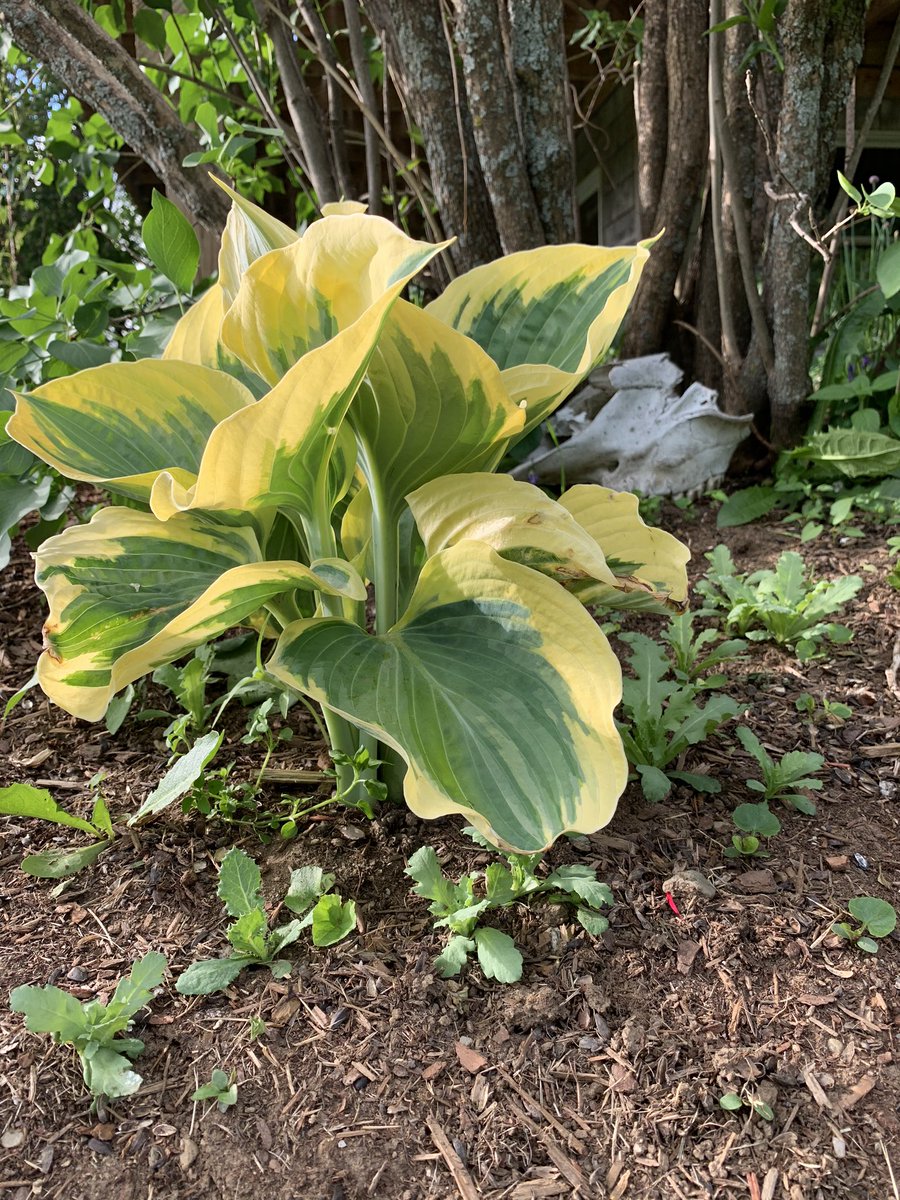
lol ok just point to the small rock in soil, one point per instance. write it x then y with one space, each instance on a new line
689 883
77 975
13 1138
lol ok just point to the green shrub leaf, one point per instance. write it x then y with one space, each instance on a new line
171 242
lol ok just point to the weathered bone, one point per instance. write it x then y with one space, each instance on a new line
646 438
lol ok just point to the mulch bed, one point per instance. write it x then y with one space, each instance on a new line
598 1076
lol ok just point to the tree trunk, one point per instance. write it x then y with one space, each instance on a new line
96 69
652 91
686 150
492 105
367 92
421 57
306 117
820 47
336 120
538 51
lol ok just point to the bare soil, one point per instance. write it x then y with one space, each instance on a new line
598 1076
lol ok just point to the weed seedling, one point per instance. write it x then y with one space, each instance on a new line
663 718
755 821
830 710
781 606
253 943
460 905
732 1102
874 919
91 1029
781 779
221 1088
693 656
23 800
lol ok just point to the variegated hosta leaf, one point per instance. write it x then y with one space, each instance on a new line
127 593
250 232
123 423
516 519
495 687
343 208
586 556
545 316
432 404
649 562
356 544
295 299
195 339
277 452
356 532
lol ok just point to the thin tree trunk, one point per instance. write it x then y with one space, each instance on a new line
96 69
421 58
652 117
744 134
336 122
538 51
803 34
367 91
306 117
686 71
492 104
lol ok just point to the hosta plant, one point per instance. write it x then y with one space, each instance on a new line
308 433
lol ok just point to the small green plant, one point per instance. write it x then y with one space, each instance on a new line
221 1088
91 1029
781 606
253 943
874 919
459 905
732 1102
755 821
23 800
187 681
692 654
813 503
217 796
830 710
780 780
663 718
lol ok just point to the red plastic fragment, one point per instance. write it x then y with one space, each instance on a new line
671 903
